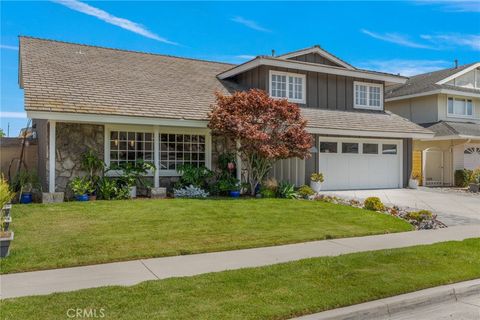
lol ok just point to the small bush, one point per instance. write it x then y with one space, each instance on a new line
267 193
5 194
419 215
462 177
190 192
475 177
305 191
374 204
286 190
317 177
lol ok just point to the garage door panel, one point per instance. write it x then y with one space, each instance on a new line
471 156
360 171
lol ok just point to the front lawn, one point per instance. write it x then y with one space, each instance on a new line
81 233
280 291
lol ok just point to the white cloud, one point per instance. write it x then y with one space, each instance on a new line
13 115
111 19
471 41
405 67
245 56
250 24
397 39
7 47
454 6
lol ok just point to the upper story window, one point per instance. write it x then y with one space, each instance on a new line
459 107
288 85
368 95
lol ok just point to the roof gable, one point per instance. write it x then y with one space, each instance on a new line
318 55
462 71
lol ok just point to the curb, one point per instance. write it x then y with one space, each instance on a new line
387 307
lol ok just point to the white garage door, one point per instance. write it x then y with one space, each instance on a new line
360 163
471 156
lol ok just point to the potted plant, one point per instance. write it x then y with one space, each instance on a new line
414 181
6 236
81 187
316 180
94 166
235 190
474 185
133 173
24 182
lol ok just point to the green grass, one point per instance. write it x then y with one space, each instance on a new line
81 233
275 292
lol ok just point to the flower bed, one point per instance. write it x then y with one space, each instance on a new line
420 219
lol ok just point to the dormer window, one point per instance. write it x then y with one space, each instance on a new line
288 85
368 95
459 107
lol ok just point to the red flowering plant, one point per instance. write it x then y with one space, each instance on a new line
264 130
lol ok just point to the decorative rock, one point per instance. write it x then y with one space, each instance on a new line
68 164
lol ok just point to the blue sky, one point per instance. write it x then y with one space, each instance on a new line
401 37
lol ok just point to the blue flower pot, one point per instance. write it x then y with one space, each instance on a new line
82 197
26 197
235 194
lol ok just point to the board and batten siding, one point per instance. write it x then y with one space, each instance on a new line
324 91
314 58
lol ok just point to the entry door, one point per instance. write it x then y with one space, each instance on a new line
349 163
433 167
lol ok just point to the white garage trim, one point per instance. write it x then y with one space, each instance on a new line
360 141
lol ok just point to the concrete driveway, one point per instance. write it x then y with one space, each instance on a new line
452 208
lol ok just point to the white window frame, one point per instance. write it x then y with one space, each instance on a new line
157 131
367 106
289 74
454 115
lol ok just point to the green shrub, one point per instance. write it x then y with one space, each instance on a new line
286 190
374 204
305 191
419 215
194 176
5 194
463 177
475 177
81 185
267 193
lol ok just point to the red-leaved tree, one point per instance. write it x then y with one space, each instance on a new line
264 130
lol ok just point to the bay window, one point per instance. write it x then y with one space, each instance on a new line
368 95
291 86
459 107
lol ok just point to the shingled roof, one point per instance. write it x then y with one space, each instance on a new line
453 128
72 78
426 82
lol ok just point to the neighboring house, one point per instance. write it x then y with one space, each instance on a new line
132 105
448 103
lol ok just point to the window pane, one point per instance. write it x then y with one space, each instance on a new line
459 107
450 105
328 147
374 96
389 149
469 108
360 95
370 148
348 147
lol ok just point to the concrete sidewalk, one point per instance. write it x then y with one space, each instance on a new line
454 301
132 272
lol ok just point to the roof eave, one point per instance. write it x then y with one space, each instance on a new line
436 91
457 74
390 79
370 133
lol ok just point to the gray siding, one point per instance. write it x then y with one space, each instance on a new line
314 58
324 91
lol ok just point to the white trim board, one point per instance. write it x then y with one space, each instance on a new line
432 92
376 134
458 74
321 52
99 118
306 66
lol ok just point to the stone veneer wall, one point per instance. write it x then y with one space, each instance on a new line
72 140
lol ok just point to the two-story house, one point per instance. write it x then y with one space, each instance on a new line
133 105
448 103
